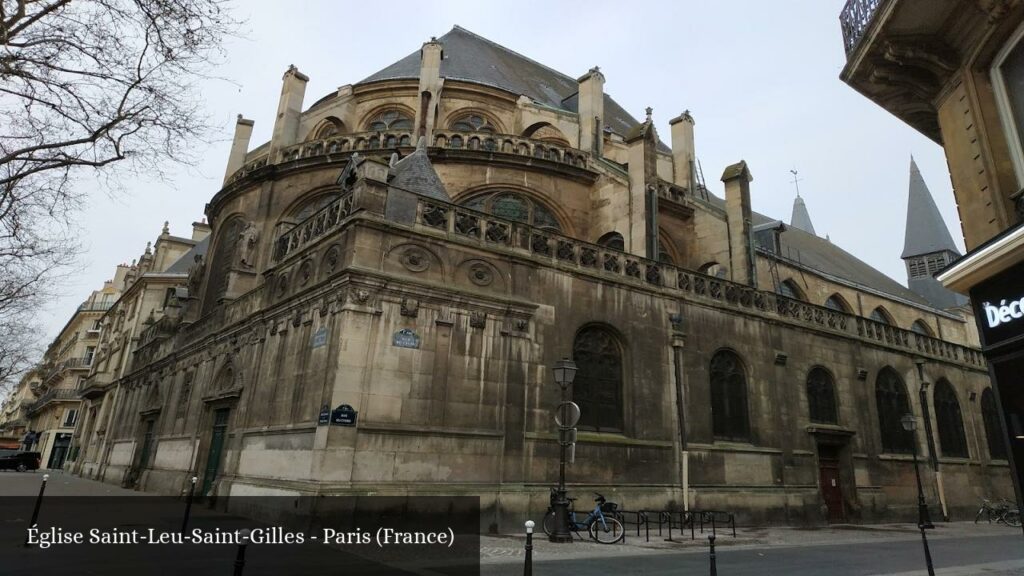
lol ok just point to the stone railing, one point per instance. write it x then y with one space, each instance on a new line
855 19
319 224
389 140
564 251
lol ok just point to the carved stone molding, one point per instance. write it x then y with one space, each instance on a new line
410 307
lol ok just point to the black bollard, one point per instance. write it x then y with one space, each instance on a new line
528 566
714 568
39 502
243 541
188 504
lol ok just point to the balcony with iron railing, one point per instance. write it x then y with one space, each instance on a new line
51 396
855 19
95 306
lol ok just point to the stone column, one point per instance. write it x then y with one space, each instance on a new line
239 147
683 153
289 111
737 208
431 82
591 111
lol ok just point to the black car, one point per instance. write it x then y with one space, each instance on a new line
20 461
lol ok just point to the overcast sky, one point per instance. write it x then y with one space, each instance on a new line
761 80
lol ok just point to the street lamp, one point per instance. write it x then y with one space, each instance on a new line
923 522
565 372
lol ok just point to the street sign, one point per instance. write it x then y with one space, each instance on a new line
325 415
343 415
567 414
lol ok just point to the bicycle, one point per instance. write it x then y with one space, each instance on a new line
1002 512
599 523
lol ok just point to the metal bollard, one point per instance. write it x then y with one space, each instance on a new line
528 566
39 502
188 504
714 568
240 557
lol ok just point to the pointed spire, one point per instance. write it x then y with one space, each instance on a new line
926 230
801 218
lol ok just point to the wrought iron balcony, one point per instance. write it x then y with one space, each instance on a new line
95 306
855 19
54 395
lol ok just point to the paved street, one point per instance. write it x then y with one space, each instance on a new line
958 549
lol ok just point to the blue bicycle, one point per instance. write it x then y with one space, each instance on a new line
600 523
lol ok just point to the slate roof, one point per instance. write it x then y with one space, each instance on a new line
181 265
926 231
415 173
473 58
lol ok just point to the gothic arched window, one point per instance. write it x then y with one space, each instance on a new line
597 388
837 303
949 421
390 120
221 261
993 428
893 404
714 269
880 315
789 289
613 240
514 206
821 396
473 123
729 417
921 328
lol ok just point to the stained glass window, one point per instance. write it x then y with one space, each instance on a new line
837 303
789 289
514 206
597 388
612 240
472 123
391 120
821 396
880 315
921 328
893 404
993 428
730 420
949 421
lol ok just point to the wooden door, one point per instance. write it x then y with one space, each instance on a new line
220 428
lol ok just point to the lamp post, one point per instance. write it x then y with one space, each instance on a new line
565 372
923 522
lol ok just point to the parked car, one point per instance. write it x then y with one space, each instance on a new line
20 461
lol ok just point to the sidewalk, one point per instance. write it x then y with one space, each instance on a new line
510 548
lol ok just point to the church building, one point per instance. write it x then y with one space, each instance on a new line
390 279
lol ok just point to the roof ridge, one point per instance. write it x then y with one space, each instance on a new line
514 53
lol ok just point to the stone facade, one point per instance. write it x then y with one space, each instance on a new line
338 274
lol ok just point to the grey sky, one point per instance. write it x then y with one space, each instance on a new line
760 78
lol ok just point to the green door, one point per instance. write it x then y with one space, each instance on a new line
147 445
220 428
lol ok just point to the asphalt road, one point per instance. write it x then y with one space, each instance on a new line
832 560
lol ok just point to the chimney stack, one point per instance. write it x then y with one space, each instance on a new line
683 154
737 208
289 111
239 146
431 56
591 111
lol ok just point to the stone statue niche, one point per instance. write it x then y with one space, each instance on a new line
246 247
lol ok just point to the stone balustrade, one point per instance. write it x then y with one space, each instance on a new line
315 226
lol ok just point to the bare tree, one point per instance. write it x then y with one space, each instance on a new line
91 87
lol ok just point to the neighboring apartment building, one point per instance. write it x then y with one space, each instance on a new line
149 291
14 420
954 70
391 277
66 362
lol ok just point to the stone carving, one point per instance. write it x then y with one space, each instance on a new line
331 260
478 319
415 259
305 272
480 274
360 295
246 246
410 307
195 274
520 324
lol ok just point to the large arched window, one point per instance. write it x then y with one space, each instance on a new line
821 396
393 119
881 315
993 429
729 417
837 303
789 289
893 404
613 240
514 206
921 328
473 123
949 420
597 388
222 259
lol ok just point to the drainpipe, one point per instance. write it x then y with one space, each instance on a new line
678 342
923 393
